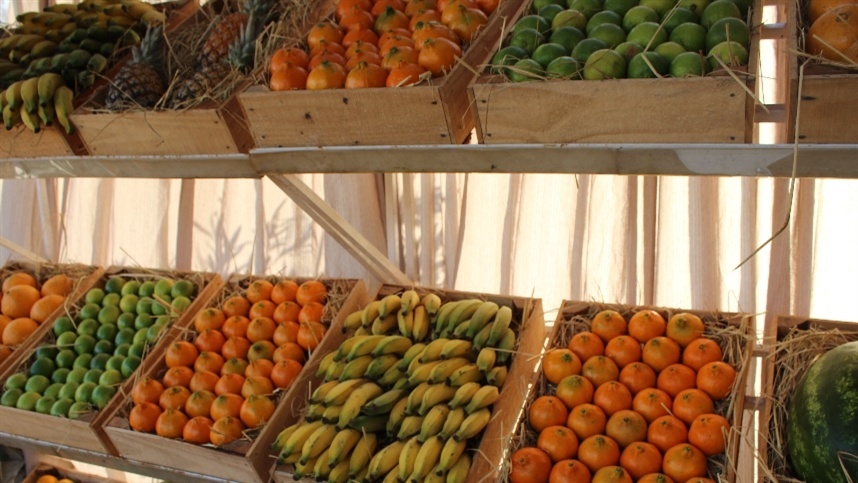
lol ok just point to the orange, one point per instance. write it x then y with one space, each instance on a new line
210 318
284 372
210 340
716 379
817 8
286 332
660 352
235 348
226 430
60 284
178 376
208 361
586 345
660 478
599 370
262 308
623 350
288 78
310 334
226 405
612 396
612 474
170 423
181 353
608 324
203 381
199 403
574 390
311 291
289 350
256 385
5 352
146 389
284 290
684 327
174 398
626 427
598 452
256 410
547 411
261 328
235 305
709 433
559 363
19 278
229 384
569 471
652 403
405 75
259 367
286 312
637 376
321 31
235 326
234 365
197 430
690 403
18 300
641 458
838 28
646 324
530 465
144 416
286 56
587 420
17 331
676 378
261 349
313 311
666 432
438 55
558 442
683 462
701 352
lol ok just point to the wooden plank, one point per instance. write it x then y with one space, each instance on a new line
29 255
828 110
339 229
140 166
21 142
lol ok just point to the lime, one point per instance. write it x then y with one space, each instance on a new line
532 21
527 38
548 12
164 286
605 64
126 320
640 69
84 344
47 351
524 70
28 400
130 287
144 305
506 56
620 6
128 303
629 49
114 284
545 53
140 336
109 314
147 289
61 407
79 408
563 68
660 6
89 311
138 348
567 36
129 365
691 36
688 64
115 362
94 296
62 325
669 50
539 4
65 358
92 375
82 360
37 383
54 390
60 375
42 366
605 16
15 381
585 48
111 300
10 397
744 6
124 336
180 304
110 377
122 349
106 332
732 54
99 361
648 34
66 339
638 15
88 327
153 332
68 389
612 35
143 321
76 375
161 305
102 395
717 10
104 346
587 7
570 18
728 28
678 16
44 404
696 6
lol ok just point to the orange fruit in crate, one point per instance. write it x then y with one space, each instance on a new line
683 462
284 372
210 340
174 398
559 363
690 403
203 381
235 326
259 367
598 452
181 353
389 19
838 28
716 379
197 430
354 49
144 416
286 312
256 385
256 410
263 308
261 349
261 328
311 312
660 352
652 403
327 75
146 389
288 78
608 324
394 38
709 433
199 403
178 376
4 321
816 8
574 390
170 423
641 458
364 75
659 478
5 352
547 411
60 284
229 384
612 397
18 300
701 352
345 6
637 376
211 318
17 331
414 7
310 334
19 278
286 332
666 432
208 361
683 328
599 370
226 405
286 57
226 430
322 31
289 350
424 16
626 427
701 480
381 5
612 474
558 442
356 19
646 324
235 305
569 471
398 55
405 75
623 350
529 465
466 22
284 290
587 420
676 378
234 365
586 345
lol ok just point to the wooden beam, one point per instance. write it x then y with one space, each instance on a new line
340 230
22 251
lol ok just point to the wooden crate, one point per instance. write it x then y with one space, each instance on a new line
711 109
826 110
574 317
529 323
248 459
813 337
433 112
210 128
87 432
77 476
84 277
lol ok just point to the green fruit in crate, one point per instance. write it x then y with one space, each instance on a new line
180 304
87 327
528 39
161 305
109 314
546 53
717 10
629 50
115 362
61 407
139 338
104 346
183 288
60 375
669 50
65 358
147 289
94 296
82 361
144 320
164 286
128 303
696 6
728 29
28 401
638 67
612 35
114 284
76 375
99 361
648 34
563 68
525 70
69 389
10 397
124 336
662 7
107 331
638 15
42 366
548 12
84 391
535 22
62 325
84 344
110 299
89 311
110 377
66 339
44 404
567 36
605 16
46 351
691 36
53 390
93 375
37 383
122 349
539 4
78 409
587 7
732 54
620 6
130 287
144 307
570 18
129 365
678 16
605 64
126 320
102 395
585 49
822 418
508 55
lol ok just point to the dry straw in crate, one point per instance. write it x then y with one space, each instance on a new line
732 332
797 347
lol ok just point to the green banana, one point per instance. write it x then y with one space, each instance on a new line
481 317
432 302
473 424
410 427
459 472
486 359
432 352
380 365
13 95
78 58
450 454
356 368
97 63
384 402
436 394
456 348
483 398
315 412
364 346
334 371
385 460
337 396
442 316
342 445
407 457
356 400
11 116
392 376
46 85
295 442
420 326
352 321
421 371
389 305
460 331
464 311
383 325
344 348
427 458
392 344
396 416
412 353
454 420
481 338
464 375
497 376
433 422
500 326
506 346
464 394
372 424
46 114
26 42
442 371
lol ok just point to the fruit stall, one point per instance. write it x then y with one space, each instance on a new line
233 374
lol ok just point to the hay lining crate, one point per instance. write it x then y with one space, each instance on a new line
574 317
433 112
84 277
812 337
87 433
210 128
244 460
829 109
714 108
529 324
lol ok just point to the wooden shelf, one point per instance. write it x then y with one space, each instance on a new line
817 161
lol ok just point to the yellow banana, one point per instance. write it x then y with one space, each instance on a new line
500 325
383 325
315 412
136 8
506 346
464 375
46 85
392 476
339 473
427 458
421 372
346 347
331 414
357 400
407 457
392 376
380 365
420 326
337 396
410 300
153 18
412 353
405 322
459 472
370 312
11 116
304 469
442 316
484 397
280 441
13 95
464 394
334 371
473 424
361 331
364 346
432 302
325 363
389 305
295 443
352 321
396 416
481 317
432 352
410 427
450 454
436 394
26 42
486 359
497 376
63 107
356 368
32 121
416 397
464 311
433 422
454 420
362 453
385 460
482 337
385 402
321 470
435 476
341 446
442 371
392 344
456 348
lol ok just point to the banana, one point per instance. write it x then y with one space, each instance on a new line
123 21
45 48
338 394
153 18
464 311
483 398
26 42
295 442
281 438
442 316
506 346
392 344
370 312
407 457
454 420
65 8
435 476
380 365
362 331
114 10
341 446
402 383
497 376
392 376
405 321
486 359
421 372
325 363
352 321
32 121
503 318
433 422
13 95
464 394
427 458
303 469
481 317
473 424
389 305
356 400
450 454
384 461
356 368
436 394
346 347
410 299
420 327
412 353
291 459
416 397
442 371
331 414
11 116
334 371
456 348
315 412
30 95
97 63
396 416
321 470
459 472
460 331
383 325
136 8
364 346
339 473
410 427
432 352
464 375
432 302
372 424
63 107
25 17
385 402
392 476
362 453
481 338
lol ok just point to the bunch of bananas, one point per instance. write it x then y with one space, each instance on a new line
37 101
405 394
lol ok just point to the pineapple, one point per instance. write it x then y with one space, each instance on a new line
228 30
139 82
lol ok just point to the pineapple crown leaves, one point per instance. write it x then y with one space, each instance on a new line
150 50
242 52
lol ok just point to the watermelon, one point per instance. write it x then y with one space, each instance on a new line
823 419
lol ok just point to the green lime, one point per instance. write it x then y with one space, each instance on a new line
126 320
66 358
87 327
744 6
66 339
186 288
538 4
570 18
660 6
164 286
76 375
122 349
114 284
567 36
111 300
68 389
54 390
639 68
106 332
44 404
92 375
585 48
10 397
60 375
124 336
669 50
99 361
605 16
82 360
47 351
129 365
688 64
143 321
79 408
546 53
161 305
94 296
115 362
42 366
89 311
717 10
110 377
140 336
61 407
613 35
130 287
104 346
144 305
587 7
732 54
525 70
696 6
109 314
629 50
648 34
550 11
128 303
527 38
63 325
678 16
84 344
605 64
15 381
37 383
728 28
153 332
508 55
138 349
691 36
563 68
102 395
28 400
147 289
620 6
180 304
638 15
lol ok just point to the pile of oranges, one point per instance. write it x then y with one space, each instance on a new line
378 43
24 305
632 401
833 32
223 381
